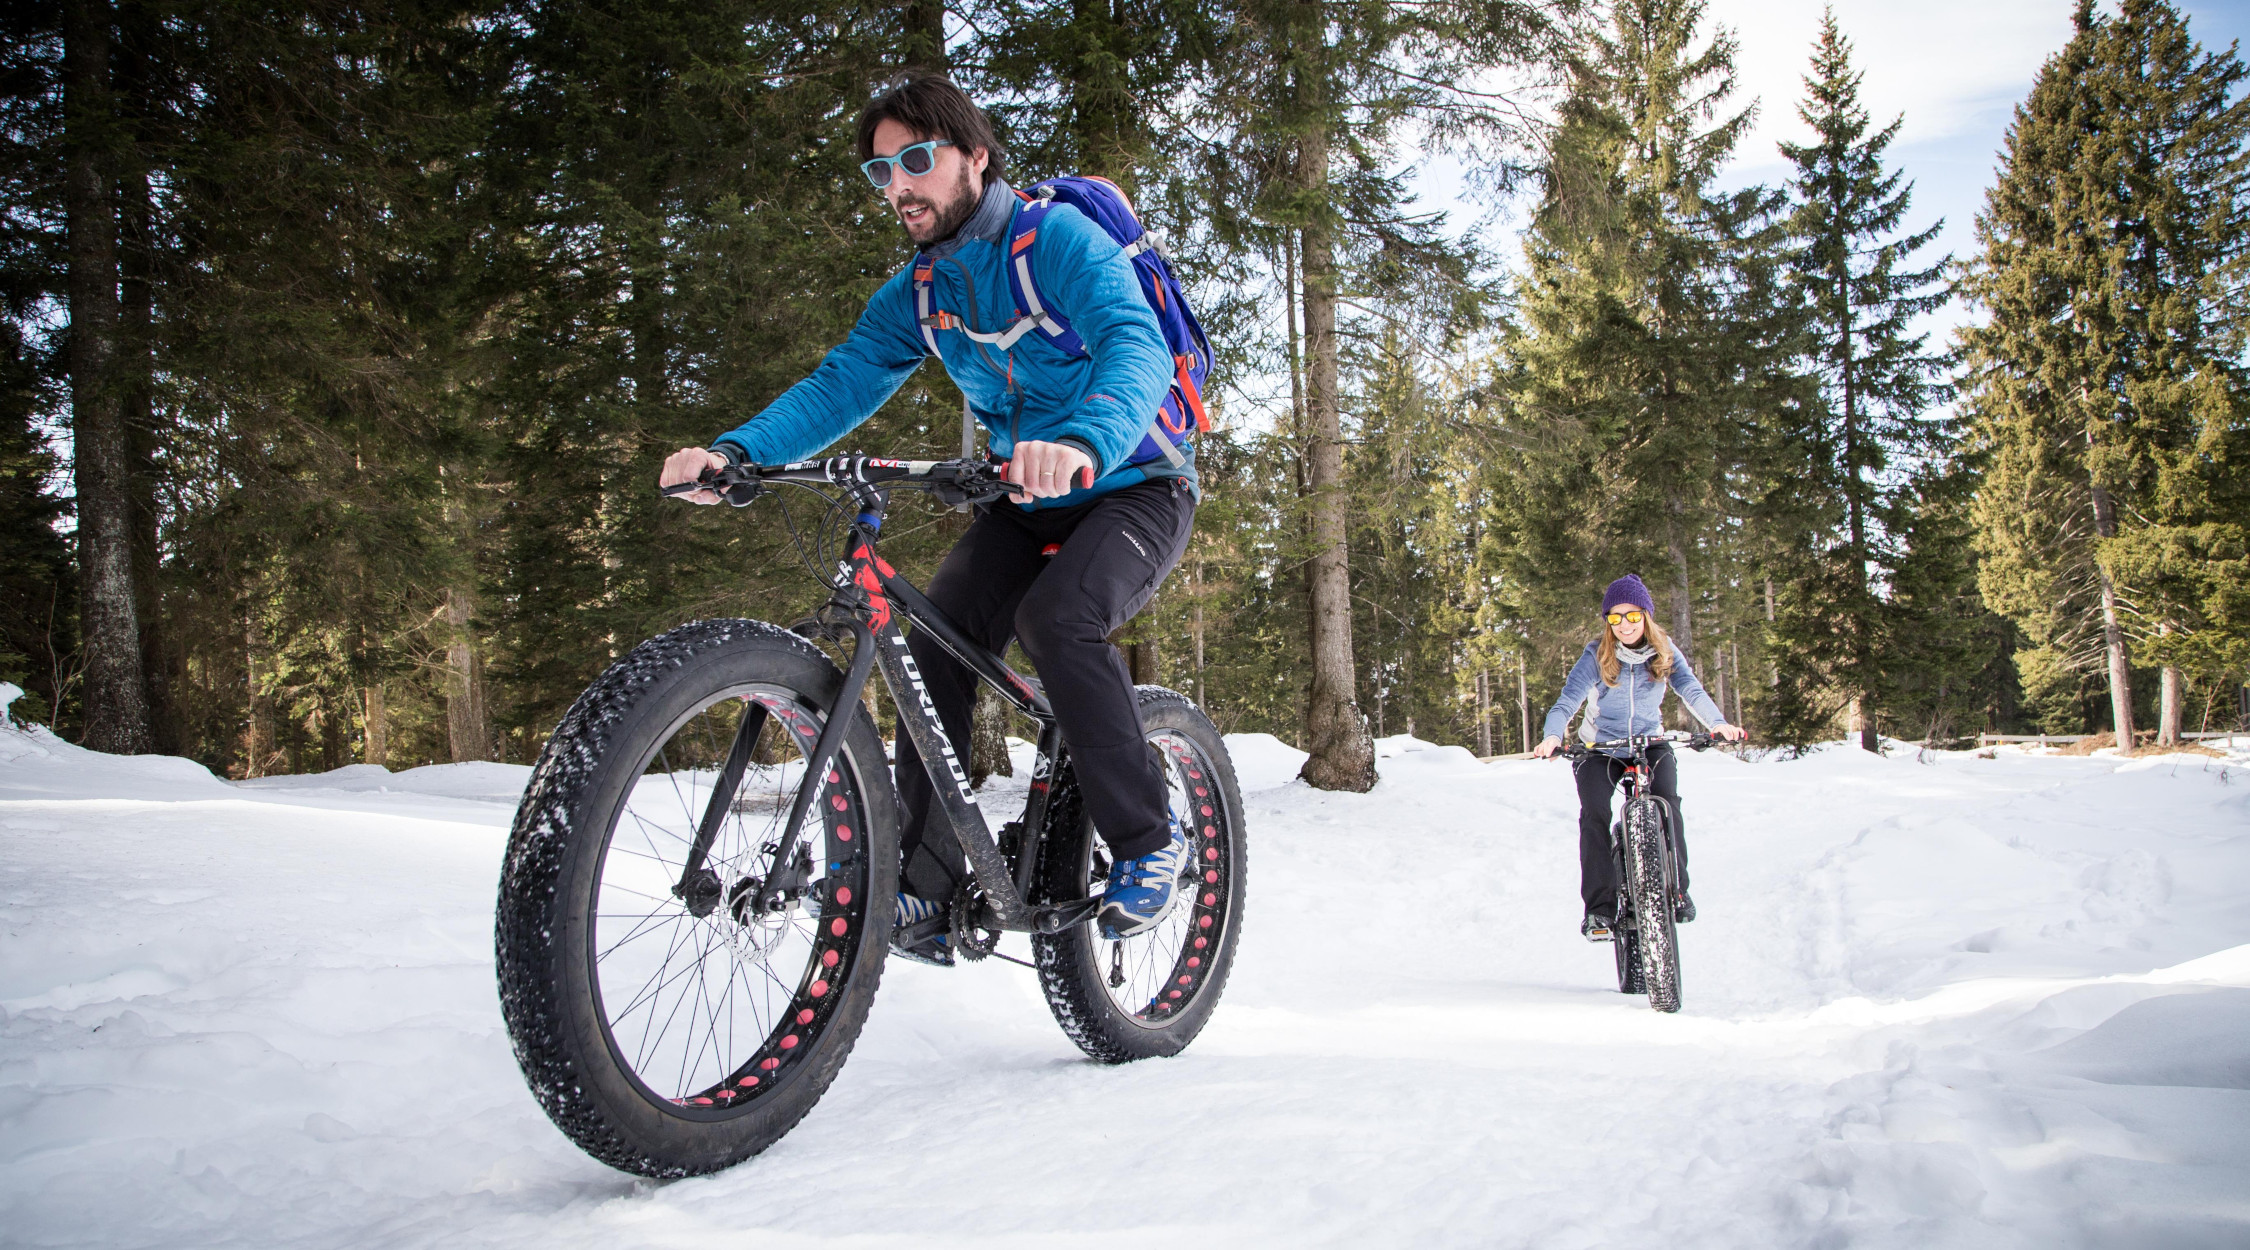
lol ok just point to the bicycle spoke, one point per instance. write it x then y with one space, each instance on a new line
693 999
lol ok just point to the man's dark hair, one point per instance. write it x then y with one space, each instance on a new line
929 104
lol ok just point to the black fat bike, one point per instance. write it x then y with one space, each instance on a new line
1645 937
698 893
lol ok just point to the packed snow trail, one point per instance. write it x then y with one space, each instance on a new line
1961 1003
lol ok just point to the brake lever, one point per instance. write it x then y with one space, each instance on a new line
739 485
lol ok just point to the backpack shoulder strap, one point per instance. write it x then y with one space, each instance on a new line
923 317
1025 282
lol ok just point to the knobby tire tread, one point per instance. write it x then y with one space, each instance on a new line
1652 903
530 963
1079 1001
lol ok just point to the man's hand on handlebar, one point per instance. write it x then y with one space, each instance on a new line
690 464
1046 470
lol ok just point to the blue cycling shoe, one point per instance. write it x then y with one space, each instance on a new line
1142 891
920 931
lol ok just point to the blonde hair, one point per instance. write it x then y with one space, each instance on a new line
1605 652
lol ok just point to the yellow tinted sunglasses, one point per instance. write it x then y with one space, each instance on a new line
1626 618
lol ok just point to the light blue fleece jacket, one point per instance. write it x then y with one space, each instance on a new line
1635 704
1100 402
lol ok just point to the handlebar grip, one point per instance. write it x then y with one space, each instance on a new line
736 485
1082 479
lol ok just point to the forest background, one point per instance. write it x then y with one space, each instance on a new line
341 343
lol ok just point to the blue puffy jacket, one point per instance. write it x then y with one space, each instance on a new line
1100 402
1635 704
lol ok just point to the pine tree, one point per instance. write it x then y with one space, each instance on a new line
1311 99
1651 352
1850 266
2107 379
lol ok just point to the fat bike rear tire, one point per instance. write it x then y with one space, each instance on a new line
1149 995
672 1035
1649 864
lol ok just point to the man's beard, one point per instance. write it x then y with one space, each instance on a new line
945 218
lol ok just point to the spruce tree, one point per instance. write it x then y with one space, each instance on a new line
1312 99
2107 379
1850 265
1651 352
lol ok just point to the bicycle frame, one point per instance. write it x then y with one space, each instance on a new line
866 600
1638 778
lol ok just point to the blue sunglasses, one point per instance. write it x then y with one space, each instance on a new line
916 160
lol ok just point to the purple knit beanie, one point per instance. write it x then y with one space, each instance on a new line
1628 589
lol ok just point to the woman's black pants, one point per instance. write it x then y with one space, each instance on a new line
1598 776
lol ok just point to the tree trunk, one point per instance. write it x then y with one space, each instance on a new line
2168 718
2113 633
1683 592
1523 699
377 749
467 733
988 738
115 691
1198 584
1142 660
1484 712
257 737
1734 650
925 36
1773 665
1343 756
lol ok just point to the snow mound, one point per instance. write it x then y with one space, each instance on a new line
477 781
1263 762
35 764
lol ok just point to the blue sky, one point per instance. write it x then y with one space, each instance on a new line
1953 69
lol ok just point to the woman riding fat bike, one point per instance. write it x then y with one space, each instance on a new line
1625 670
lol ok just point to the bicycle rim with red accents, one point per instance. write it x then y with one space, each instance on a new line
710 1014
1155 976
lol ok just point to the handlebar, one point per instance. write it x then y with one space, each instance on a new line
952 481
1693 741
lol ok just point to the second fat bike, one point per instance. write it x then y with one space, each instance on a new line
697 898
1644 840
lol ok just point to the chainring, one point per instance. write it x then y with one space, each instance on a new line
972 939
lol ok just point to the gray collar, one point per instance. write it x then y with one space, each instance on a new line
989 223
1636 655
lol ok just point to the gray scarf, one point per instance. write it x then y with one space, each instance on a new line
989 223
1635 655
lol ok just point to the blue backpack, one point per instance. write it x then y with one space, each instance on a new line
1105 204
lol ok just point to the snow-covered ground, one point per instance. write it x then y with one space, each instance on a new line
1965 1002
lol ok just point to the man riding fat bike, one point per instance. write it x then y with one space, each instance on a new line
1626 670
1109 501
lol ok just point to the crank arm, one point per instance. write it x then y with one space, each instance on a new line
923 930
1054 919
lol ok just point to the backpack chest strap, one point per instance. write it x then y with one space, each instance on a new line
930 319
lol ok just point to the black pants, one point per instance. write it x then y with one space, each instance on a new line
996 585
1598 776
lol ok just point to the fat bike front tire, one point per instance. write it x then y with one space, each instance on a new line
1649 863
671 1034
1625 942
1149 995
